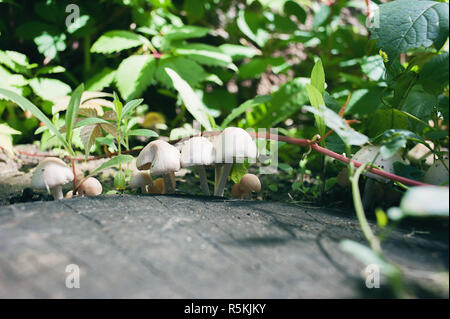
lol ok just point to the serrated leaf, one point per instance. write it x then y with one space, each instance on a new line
171 32
191 100
134 75
409 24
110 129
110 116
117 40
204 54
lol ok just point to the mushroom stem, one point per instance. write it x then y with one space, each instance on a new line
203 180
217 173
57 192
368 196
223 179
169 183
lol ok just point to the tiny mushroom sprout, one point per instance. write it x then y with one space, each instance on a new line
249 183
90 187
162 159
198 151
51 174
232 145
370 154
141 180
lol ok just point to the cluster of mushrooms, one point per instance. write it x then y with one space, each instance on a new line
159 158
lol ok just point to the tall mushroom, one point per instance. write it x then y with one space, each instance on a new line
232 145
198 151
51 174
368 154
162 159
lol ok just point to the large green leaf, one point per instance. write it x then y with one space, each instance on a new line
134 75
189 70
239 52
317 101
434 74
101 80
171 32
205 54
191 100
28 106
251 24
117 40
409 24
49 89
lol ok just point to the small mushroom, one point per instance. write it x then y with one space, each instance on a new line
249 183
236 191
51 174
141 180
162 159
90 187
157 187
198 151
368 154
69 194
232 145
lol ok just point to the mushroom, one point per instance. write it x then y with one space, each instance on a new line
51 174
232 145
437 174
236 191
249 184
141 180
157 187
162 159
368 154
90 187
198 151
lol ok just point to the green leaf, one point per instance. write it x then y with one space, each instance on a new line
204 54
410 24
88 136
72 111
244 107
130 106
316 99
250 23
318 77
50 69
191 100
373 67
171 33
142 132
239 52
118 106
90 121
238 170
338 125
50 44
134 75
385 119
423 201
293 8
117 40
101 80
286 101
395 139
27 105
115 161
189 70
195 10
366 256
420 103
434 74
48 89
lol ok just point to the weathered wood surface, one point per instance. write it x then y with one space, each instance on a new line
184 247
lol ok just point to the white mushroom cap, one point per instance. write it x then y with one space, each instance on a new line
197 151
160 157
366 155
437 174
90 187
51 172
234 144
141 180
